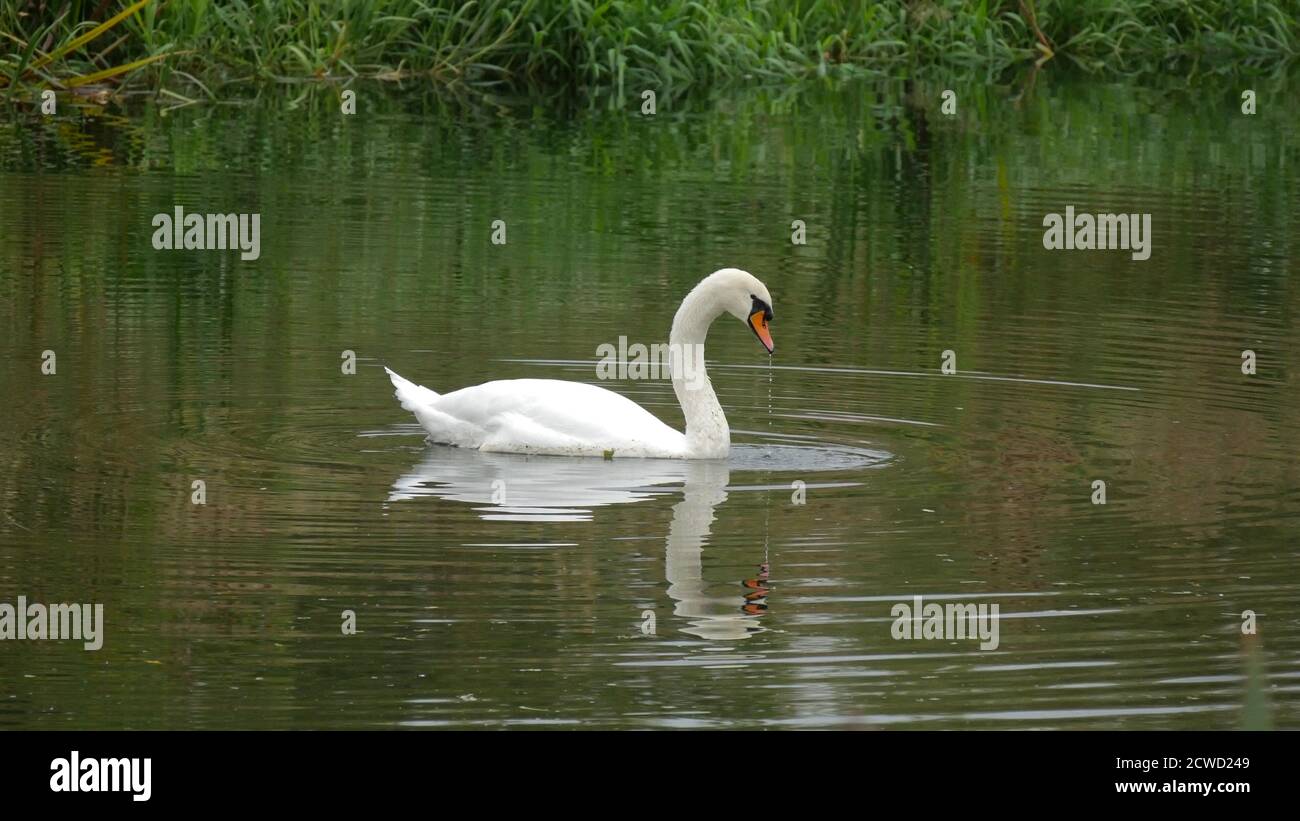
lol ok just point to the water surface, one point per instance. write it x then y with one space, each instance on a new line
924 235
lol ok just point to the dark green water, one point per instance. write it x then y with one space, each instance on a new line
924 234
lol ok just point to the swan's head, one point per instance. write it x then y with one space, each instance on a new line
744 297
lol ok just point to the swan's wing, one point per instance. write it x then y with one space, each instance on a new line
554 416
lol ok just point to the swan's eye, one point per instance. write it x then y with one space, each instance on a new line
760 305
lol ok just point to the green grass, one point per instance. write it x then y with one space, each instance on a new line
624 45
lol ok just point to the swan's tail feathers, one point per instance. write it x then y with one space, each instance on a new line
411 395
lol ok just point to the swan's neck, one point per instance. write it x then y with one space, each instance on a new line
707 434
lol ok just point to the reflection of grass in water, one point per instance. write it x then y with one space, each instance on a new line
919 237
629 45
1256 715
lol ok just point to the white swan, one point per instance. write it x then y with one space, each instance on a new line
550 416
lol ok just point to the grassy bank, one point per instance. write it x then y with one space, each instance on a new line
622 45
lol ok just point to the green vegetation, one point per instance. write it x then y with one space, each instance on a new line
620 44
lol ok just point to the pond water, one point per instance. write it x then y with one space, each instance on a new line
501 591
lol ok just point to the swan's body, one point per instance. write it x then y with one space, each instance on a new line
548 416
551 416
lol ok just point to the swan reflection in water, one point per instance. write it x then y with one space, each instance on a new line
511 487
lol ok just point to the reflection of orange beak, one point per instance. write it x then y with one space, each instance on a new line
758 321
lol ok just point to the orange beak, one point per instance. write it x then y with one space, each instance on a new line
758 321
